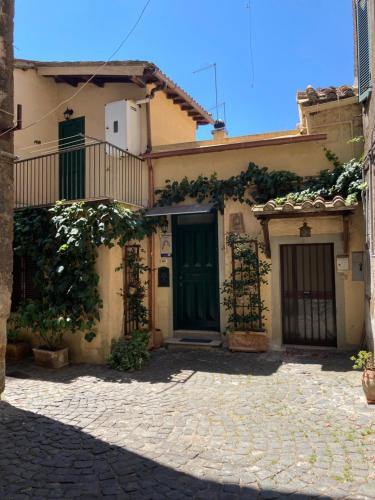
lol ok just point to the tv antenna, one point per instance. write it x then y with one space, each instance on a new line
209 66
221 105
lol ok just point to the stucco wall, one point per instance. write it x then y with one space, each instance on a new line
38 95
369 135
304 159
169 123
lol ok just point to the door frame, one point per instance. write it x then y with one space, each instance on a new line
174 271
294 280
79 119
276 341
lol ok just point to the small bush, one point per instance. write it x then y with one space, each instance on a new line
129 354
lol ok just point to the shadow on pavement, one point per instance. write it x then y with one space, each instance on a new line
178 366
43 458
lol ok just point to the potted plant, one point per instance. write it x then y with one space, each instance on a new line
49 325
364 360
242 297
134 295
17 349
129 353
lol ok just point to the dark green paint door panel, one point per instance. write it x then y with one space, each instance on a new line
72 163
195 272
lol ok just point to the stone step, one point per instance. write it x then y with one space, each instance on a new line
188 342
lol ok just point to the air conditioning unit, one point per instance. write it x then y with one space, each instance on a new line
123 125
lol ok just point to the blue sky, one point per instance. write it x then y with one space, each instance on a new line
294 43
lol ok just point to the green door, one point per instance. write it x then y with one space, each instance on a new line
72 163
195 272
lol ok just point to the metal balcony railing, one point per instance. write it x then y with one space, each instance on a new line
98 170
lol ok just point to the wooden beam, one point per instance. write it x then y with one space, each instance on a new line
67 81
193 113
178 100
293 214
266 237
99 82
346 233
172 95
138 81
186 107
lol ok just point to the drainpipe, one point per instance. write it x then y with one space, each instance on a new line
151 197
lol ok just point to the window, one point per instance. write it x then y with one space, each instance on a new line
24 270
363 49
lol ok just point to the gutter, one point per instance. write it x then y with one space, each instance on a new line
280 141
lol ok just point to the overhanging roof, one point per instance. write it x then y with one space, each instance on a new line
309 208
196 208
139 73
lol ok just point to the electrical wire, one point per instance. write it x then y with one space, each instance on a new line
67 100
6 112
251 52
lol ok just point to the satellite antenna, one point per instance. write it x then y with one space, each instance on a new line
213 65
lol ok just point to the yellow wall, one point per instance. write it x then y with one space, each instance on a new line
305 159
169 123
38 95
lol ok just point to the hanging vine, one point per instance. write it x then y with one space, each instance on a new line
259 184
63 242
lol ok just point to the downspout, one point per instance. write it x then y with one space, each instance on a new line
150 238
151 201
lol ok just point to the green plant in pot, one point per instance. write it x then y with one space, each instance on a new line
49 325
17 348
242 298
129 353
364 360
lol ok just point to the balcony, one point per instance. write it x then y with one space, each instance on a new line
88 170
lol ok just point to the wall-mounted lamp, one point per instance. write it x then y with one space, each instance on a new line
68 113
164 226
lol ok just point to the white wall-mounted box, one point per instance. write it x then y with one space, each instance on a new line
342 263
123 125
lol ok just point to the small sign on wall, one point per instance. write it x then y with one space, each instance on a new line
342 263
236 224
166 245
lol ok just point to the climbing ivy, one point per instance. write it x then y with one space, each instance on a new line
259 184
62 242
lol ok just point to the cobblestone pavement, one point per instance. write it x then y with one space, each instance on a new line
193 424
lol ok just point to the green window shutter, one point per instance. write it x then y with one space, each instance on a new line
363 49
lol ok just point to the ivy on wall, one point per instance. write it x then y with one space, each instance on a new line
63 242
259 184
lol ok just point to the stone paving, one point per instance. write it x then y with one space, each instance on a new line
193 424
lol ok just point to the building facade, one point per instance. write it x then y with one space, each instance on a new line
301 307
130 118
364 39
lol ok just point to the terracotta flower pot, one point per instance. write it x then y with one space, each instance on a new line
51 359
158 338
368 384
17 351
248 341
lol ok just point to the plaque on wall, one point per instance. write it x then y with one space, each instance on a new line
166 245
236 224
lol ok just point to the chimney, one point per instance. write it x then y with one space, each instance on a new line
219 132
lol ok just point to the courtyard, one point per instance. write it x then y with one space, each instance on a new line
192 424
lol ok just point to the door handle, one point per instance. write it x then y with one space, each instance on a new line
306 295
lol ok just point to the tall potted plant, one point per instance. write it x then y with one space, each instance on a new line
134 295
242 297
364 360
17 348
50 325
